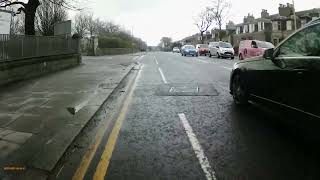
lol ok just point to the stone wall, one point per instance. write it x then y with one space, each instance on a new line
115 51
22 69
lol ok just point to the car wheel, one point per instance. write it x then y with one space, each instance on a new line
239 92
210 54
218 55
232 58
240 56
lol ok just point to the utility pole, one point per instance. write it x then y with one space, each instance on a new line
294 16
132 39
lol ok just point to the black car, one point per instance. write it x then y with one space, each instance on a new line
287 76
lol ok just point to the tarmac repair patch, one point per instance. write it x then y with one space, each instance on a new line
186 90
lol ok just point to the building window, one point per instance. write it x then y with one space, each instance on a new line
275 25
245 28
303 22
238 30
289 25
260 26
251 28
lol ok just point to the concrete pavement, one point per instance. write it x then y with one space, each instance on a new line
39 118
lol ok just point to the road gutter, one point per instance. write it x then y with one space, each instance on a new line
103 165
92 149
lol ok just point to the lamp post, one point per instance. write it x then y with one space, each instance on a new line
294 16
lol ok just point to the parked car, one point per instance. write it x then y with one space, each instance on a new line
203 49
253 48
189 50
176 50
221 50
285 76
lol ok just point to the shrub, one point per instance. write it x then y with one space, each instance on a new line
113 42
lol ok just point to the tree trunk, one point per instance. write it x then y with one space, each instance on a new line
202 39
219 33
30 14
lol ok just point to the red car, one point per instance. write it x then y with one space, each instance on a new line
202 49
253 48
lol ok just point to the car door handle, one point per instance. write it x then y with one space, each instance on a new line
299 71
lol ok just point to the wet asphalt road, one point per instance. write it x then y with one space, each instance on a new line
237 143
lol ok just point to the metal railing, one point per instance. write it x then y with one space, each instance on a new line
13 47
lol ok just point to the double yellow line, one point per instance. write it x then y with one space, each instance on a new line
102 167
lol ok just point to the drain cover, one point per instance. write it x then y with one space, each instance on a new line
187 90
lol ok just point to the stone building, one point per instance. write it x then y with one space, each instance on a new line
273 28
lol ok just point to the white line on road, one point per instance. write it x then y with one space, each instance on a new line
156 62
203 160
162 76
227 68
203 61
141 57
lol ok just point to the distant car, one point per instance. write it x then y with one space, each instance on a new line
221 50
286 76
203 49
189 50
176 50
253 48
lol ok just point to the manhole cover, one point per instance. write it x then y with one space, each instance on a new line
187 90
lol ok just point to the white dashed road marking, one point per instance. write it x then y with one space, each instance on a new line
203 61
203 160
227 68
162 76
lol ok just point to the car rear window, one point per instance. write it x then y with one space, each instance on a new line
225 45
189 47
203 46
262 44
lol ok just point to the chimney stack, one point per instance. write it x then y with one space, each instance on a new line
264 13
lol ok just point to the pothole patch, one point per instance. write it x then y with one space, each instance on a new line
187 90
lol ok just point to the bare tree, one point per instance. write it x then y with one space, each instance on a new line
29 9
204 21
165 43
17 25
106 27
81 24
220 9
91 24
112 27
48 14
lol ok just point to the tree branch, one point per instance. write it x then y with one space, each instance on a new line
12 3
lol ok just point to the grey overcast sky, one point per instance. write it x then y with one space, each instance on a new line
153 19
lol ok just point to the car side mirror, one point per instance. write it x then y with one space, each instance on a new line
268 54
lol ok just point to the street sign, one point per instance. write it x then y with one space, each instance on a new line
5 21
63 28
